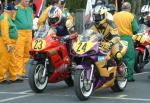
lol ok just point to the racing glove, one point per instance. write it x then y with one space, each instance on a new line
105 46
138 38
73 36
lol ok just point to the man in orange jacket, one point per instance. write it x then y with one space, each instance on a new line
8 37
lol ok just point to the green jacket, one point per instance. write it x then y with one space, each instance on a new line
13 34
23 18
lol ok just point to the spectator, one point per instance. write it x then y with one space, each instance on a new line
89 10
8 37
61 5
111 8
117 3
127 26
23 18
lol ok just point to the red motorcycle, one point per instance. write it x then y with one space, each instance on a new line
142 53
50 60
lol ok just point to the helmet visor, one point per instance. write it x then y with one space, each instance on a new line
145 13
53 20
98 17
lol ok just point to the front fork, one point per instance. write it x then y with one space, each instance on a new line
45 67
91 74
146 58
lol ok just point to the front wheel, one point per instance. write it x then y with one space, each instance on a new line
83 87
37 80
120 81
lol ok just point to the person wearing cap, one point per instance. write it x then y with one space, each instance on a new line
23 19
8 37
111 8
65 11
88 14
127 27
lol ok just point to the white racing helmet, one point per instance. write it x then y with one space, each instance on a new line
54 16
145 9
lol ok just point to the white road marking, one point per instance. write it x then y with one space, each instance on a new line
15 93
121 96
141 73
14 98
112 98
26 91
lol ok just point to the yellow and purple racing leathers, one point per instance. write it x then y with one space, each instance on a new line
111 39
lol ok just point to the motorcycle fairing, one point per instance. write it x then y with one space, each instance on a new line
44 42
85 42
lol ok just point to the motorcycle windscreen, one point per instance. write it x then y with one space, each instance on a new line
86 41
44 31
38 43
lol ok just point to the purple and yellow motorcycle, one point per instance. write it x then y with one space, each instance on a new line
89 74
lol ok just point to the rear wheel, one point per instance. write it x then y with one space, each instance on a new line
69 81
121 81
37 80
83 87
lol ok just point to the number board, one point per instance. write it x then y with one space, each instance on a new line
38 44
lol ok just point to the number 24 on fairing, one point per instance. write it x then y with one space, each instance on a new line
82 47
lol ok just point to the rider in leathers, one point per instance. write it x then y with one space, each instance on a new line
106 27
60 25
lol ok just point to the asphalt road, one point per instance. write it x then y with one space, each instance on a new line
135 92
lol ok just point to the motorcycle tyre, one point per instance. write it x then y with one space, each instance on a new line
32 81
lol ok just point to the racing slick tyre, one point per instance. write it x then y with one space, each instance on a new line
69 81
37 81
83 87
120 81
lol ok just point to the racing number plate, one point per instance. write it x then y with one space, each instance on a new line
82 46
38 44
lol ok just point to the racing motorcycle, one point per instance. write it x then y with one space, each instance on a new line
50 60
90 60
142 52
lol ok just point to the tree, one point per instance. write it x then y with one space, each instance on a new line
72 5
